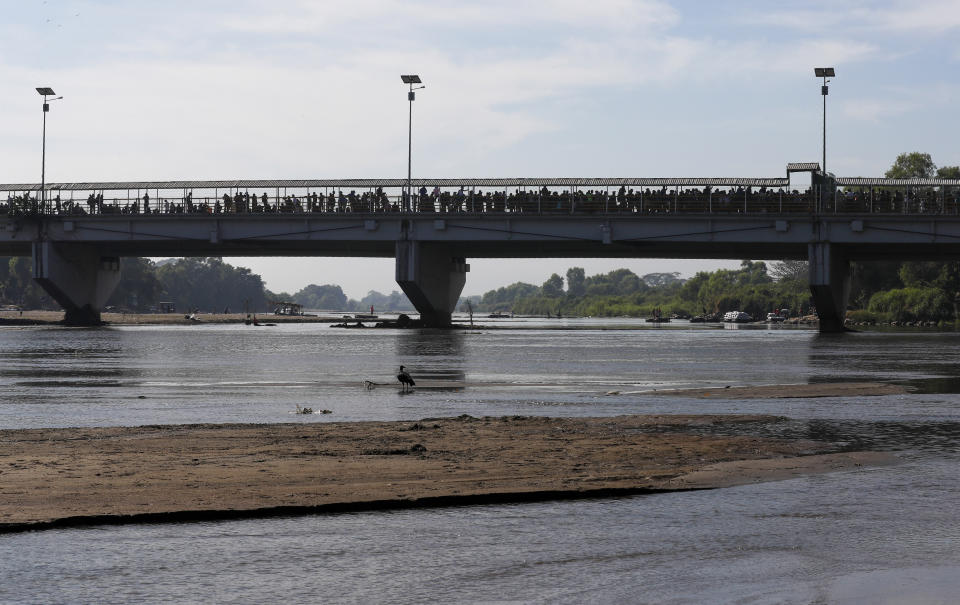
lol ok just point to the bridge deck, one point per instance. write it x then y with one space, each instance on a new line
496 235
631 217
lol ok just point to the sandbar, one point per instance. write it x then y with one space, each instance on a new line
81 476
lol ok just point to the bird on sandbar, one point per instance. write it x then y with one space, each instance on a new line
405 379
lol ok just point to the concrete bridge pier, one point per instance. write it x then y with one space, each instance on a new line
829 284
80 278
432 276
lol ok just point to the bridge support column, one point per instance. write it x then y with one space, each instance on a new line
829 284
432 277
78 277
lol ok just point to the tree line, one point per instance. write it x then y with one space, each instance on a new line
205 284
750 288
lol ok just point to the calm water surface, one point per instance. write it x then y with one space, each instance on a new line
880 535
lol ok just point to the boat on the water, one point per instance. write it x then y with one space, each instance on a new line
773 318
705 318
658 317
737 317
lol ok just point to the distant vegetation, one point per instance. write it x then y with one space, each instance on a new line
206 284
623 293
332 298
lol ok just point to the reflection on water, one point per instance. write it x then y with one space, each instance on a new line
942 384
235 373
845 537
445 350
847 435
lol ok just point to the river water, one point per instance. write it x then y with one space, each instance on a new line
876 535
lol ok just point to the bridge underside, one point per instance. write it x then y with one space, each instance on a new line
75 258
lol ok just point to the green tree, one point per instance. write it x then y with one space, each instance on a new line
753 272
920 274
748 288
948 172
395 301
327 297
19 287
139 288
656 280
914 165
912 304
553 287
868 278
211 285
504 298
618 282
576 281
790 270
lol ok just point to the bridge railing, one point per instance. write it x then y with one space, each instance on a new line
543 201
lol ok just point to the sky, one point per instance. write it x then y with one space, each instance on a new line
300 89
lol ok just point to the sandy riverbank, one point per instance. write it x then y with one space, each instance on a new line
61 477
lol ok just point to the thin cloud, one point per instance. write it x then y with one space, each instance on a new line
875 110
895 102
376 15
925 18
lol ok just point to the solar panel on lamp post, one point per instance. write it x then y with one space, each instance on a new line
44 91
410 80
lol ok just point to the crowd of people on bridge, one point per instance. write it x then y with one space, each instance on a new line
537 201
924 200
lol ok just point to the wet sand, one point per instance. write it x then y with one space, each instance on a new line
80 476
787 391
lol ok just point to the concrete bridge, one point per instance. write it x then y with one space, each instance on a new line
76 232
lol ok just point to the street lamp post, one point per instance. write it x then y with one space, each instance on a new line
411 80
45 91
824 72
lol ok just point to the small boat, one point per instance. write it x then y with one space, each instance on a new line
499 315
365 316
658 317
775 318
705 318
737 317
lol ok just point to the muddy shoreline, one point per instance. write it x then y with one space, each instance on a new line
82 476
